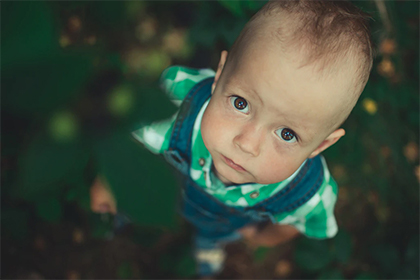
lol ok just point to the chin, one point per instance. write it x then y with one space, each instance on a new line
232 179
225 177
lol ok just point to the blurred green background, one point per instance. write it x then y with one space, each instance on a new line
77 77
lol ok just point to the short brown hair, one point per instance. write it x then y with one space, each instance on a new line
327 30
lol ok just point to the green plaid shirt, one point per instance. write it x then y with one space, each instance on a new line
314 219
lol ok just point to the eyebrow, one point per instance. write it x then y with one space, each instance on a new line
257 95
252 93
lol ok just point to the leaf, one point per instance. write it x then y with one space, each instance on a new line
44 163
144 188
63 126
233 6
203 32
261 253
230 28
27 32
387 257
145 236
125 270
166 262
79 190
111 14
185 266
253 5
149 104
312 255
411 256
343 246
14 222
407 272
412 251
102 226
49 209
40 87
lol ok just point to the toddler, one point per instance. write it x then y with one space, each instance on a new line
248 137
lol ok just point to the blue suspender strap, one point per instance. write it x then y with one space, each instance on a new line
306 183
180 142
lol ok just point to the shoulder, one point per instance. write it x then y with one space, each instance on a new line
315 218
325 197
177 81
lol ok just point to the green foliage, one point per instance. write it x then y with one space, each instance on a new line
49 209
178 261
76 79
28 35
14 222
242 8
312 255
332 274
323 255
45 163
235 7
387 257
42 86
185 264
120 101
343 246
125 271
63 127
365 276
411 255
139 180
111 14
261 253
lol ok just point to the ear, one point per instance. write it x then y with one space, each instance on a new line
329 141
222 61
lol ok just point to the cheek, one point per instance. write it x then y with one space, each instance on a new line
211 126
276 167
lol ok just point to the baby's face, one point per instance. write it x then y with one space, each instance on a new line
266 116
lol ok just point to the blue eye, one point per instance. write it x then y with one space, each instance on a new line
239 103
286 134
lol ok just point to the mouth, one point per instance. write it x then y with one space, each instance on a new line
232 164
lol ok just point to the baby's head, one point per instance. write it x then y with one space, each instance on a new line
292 77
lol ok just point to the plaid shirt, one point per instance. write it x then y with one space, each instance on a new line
314 219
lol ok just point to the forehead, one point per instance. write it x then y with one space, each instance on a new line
288 91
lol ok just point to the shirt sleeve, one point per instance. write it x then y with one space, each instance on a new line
176 82
315 218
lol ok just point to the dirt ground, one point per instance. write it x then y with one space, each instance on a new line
69 250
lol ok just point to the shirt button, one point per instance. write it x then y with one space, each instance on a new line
201 161
254 195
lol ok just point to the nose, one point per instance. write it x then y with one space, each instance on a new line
249 140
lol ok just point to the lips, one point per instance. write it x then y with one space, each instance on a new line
232 164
